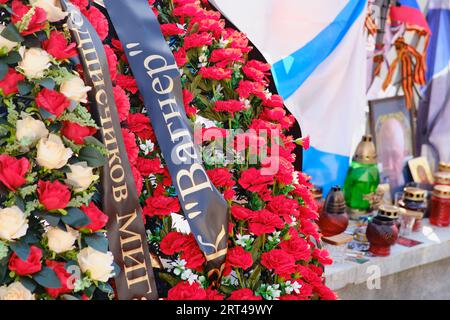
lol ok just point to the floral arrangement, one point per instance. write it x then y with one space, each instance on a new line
273 251
52 237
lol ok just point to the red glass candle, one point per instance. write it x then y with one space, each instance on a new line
414 200
382 231
440 206
333 219
442 178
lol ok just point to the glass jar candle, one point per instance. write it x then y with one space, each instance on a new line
442 178
414 200
382 231
440 206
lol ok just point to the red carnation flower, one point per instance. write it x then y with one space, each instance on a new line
296 246
192 254
98 21
274 101
252 180
122 102
58 46
246 88
26 267
139 124
172 243
129 139
212 294
8 85
65 278
13 171
149 166
241 213
82 4
189 10
197 40
37 21
264 221
53 195
97 217
171 29
161 206
226 56
75 132
230 106
237 257
215 73
244 294
221 177
52 101
180 57
127 82
322 256
279 261
138 180
112 61
185 291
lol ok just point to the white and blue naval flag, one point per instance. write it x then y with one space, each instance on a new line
318 54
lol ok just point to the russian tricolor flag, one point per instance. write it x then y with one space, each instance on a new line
318 53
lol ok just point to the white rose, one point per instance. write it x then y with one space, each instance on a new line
5 43
51 152
61 241
13 223
29 130
81 176
35 61
54 13
98 264
15 291
74 89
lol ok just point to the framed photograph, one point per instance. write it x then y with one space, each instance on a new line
420 170
391 127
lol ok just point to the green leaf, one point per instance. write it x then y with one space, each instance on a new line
21 248
51 218
28 283
94 142
24 88
47 278
171 280
76 218
11 33
12 58
92 156
97 241
3 70
45 114
48 83
4 268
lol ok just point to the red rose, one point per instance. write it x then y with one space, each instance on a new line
237 257
75 132
13 171
122 102
31 265
244 294
172 243
264 221
37 21
161 206
98 21
52 101
138 180
53 195
185 291
127 82
97 217
241 213
149 166
8 85
129 139
58 47
252 180
139 124
221 177
278 260
112 61
215 73
296 246
65 278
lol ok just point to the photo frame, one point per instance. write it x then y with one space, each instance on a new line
392 128
421 171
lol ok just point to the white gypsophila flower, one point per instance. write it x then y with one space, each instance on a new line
223 42
147 146
292 287
181 26
244 240
295 176
267 94
178 266
189 276
246 103
203 59
273 292
294 221
275 237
